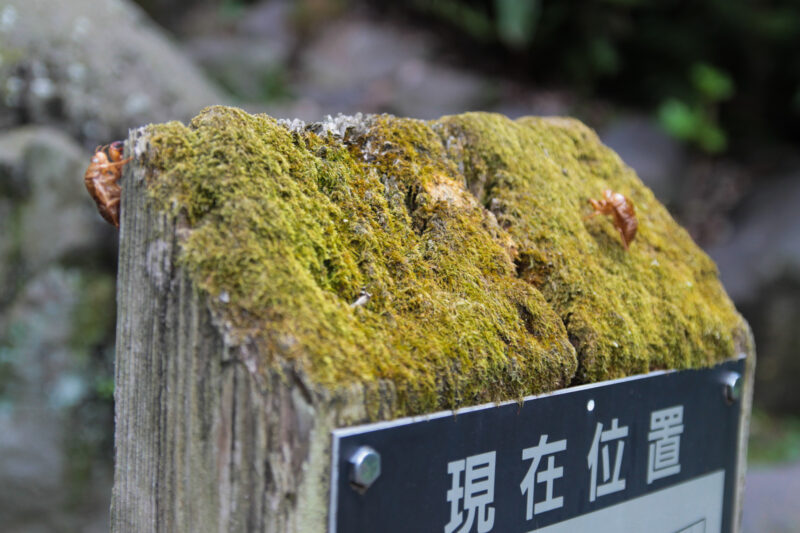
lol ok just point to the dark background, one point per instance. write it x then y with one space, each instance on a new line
701 98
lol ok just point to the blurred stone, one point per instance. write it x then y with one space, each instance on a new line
93 68
430 90
760 267
352 52
774 316
516 100
31 465
43 453
250 57
766 243
655 156
712 191
34 333
354 64
46 213
770 503
56 329
304 109
12 180
59 219
270 20
169 13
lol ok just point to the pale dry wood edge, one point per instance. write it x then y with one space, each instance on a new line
744 430
203 443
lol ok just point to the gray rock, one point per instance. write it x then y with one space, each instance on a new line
770 500
760 267
766 243
47 215
54 322
43 380
31 462
249 59
250 69
774 316
93 68
35 336
355 64
655 156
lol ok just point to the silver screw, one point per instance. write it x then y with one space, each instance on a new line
733 387
365 467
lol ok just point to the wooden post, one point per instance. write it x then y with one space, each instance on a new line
208 440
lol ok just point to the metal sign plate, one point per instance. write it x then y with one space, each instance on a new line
655 453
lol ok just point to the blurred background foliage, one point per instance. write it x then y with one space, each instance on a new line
701 98
719 74
722 74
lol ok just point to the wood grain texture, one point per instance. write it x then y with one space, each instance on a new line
202 443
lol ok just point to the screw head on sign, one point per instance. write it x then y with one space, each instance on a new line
365 467
733 387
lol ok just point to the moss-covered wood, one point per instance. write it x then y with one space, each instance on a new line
469 233
278 280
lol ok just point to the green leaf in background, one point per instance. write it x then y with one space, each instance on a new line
678 119
640 52
472 21
516 21
231 9
710 137
713 84
778 23
692 124
773 438
104 387
796 101
604 56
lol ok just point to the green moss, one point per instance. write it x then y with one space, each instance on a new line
660 305
468 304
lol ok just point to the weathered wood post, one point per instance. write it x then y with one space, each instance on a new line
280 280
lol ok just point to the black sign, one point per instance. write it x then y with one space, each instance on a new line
652 453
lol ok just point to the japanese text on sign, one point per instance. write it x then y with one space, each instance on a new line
472 479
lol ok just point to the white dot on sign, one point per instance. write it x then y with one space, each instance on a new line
590 405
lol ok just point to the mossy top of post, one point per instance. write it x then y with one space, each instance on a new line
451 258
